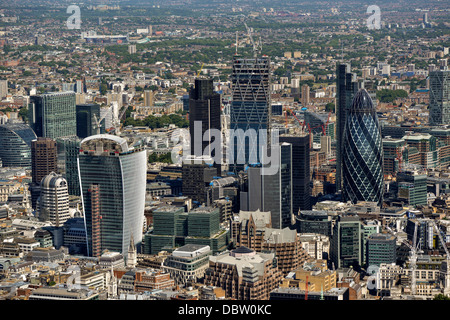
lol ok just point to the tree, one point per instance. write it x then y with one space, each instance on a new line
441 297
329 107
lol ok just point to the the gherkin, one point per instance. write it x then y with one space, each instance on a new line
362 158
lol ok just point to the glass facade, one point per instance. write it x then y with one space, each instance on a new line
86 123
15 144
346 242
277 192
250 108
53 115
362 156
120 174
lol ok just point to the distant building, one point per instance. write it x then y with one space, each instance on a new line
244 274
3 88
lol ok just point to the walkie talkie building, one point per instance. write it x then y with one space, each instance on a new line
362 156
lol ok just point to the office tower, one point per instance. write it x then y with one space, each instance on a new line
173 227
3 88
412 187
314 221
362 153
204 112
113 179
88 116
244 274
305 95
439 98
53 115
277 190
197 173
346 242
148 98
301 190
393 150
15 144
381 248
427 148
79 86
68 150
131 48
249 110
54 200
272 192
346 87
44 158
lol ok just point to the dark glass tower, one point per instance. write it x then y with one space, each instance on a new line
346 87
301 190
250 109
86 123
204 106
362 152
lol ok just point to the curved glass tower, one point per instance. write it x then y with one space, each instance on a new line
362 158
112 177
15 144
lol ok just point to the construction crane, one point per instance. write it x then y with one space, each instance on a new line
257 47
286 109
200 70
413 257
116 122
447 258
413 261
326 124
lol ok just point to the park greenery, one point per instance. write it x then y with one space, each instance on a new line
156 122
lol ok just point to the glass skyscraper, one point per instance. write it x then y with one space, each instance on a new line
439 97
362 152
86 124
250 109
15 144
346 87
53 115
113 181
